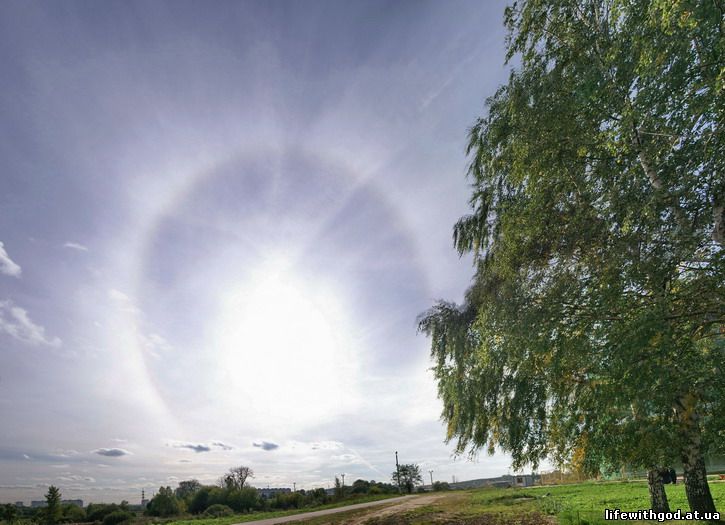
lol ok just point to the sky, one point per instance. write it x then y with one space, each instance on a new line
218 225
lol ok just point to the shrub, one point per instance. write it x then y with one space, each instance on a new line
242 499
218 510
117 516
98 511
165 503
73 514
206 497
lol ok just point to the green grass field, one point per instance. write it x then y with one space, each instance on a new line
581 504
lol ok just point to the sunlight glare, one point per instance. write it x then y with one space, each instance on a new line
281 348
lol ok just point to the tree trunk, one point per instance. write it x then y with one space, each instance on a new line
693 461
696 487
657 494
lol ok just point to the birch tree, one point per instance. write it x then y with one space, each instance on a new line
596 315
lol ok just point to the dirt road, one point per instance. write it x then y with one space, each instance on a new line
392 505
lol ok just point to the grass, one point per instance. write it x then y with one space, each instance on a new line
581 504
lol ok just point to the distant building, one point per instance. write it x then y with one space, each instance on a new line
38 504
19 504
270 493
76 502
518 480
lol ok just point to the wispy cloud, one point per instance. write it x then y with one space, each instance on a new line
327 445
200 447
64 453
196 448
15 322
7 265
111 452
265 445
76 477
76 246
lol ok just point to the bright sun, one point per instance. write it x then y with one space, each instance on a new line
281 348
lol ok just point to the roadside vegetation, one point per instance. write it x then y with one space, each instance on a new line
576 504
569 504
231 500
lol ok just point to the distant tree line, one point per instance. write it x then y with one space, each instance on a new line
231 495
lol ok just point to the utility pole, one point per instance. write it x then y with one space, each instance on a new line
431 477
397 470
343 482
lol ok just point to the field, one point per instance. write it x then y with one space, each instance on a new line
581 504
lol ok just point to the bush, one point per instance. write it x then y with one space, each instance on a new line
242 499
117 516
218 510
73 514
441 485
98 511
206 497
164 504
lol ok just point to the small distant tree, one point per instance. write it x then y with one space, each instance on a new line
410 476
236 478
441 485
52 512
187 489
338 488
360 486
165 503
242 500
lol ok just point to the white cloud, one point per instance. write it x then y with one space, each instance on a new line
15 322
59 452
76 477
76 246
7 265
326 445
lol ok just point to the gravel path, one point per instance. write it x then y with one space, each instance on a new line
326 512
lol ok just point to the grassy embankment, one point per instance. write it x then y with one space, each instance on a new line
581 504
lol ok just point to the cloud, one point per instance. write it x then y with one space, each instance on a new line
200 447
15 322
59 452
76 246
7 265
111 452
265 445
326 445
76 477
25 456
